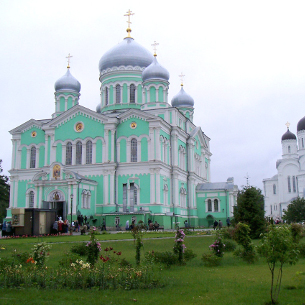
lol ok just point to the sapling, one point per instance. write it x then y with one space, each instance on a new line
278 247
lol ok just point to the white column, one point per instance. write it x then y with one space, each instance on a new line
139 150
83 153
63 153
157 186
152 186
175 190
111 187
93 153
53 150
112 145
128 155
105 146
37 157
46 150
66 103
28 157
118 151
158 144
105 187
151 146
74 199
73 154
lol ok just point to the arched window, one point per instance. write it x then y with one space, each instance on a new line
133 150
118 94
289 150
289 184
274 189
33 157
31 199
216 207
294 184
132 93
89 152
209 205
69 153
79 152
106 96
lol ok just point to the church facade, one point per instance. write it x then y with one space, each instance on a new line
289 182
137 157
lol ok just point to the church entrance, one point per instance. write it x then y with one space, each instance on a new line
60 207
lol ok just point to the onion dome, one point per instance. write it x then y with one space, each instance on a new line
182 99
155 71
126 53
98 108
288 135
67 83
301 124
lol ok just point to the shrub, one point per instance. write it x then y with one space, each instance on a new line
80 249
230 245
228 232
179 245
189 254
167 258
210 260
124 263
296 231
94 247
40 253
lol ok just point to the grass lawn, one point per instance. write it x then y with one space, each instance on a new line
234 282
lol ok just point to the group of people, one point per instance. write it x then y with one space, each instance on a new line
153 226
219 224
59 226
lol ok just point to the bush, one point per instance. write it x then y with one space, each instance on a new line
228 232
248 256
167 258
80 249
189 254
296 231
124 263
211 260
230 245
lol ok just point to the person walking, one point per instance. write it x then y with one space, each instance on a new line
220 225
228 222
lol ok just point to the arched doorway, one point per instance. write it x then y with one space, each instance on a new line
57 202
210 220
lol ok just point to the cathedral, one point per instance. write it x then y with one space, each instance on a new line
136 157
289 182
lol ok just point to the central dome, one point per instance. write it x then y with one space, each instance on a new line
126 53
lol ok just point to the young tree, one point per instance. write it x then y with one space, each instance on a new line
250 210
295 211
4 193
278 248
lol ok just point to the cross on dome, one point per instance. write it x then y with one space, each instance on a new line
154 45
69 56
287 124
128 14
181 78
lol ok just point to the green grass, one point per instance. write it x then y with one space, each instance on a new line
234 282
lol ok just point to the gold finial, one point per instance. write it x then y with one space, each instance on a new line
128 14
154 45
181 78
287 124
69 56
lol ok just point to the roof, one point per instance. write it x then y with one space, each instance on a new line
210 186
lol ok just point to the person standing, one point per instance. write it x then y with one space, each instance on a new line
215 224
220 224
104 225
228 222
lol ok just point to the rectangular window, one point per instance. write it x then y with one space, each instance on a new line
271 209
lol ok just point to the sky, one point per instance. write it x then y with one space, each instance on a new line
244 65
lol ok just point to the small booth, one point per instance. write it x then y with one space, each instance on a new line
28 221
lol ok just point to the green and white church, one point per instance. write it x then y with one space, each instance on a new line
137 157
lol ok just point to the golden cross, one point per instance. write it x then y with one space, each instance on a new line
287 124
154 45
181 78
69 56
128 14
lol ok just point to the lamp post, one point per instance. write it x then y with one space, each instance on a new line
71 196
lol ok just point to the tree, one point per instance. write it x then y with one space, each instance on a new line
4 194
278 248
250 210
295 211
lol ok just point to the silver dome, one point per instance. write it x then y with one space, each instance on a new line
182 99
67 83
98 108
155 71
126 53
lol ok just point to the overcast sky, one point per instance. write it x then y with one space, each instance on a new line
244 63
